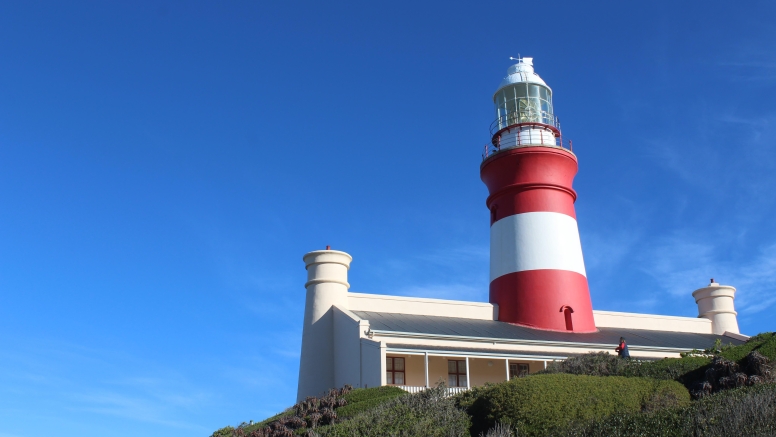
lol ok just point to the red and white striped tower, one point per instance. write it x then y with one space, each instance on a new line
537 273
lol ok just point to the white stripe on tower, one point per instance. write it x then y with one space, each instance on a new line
535 241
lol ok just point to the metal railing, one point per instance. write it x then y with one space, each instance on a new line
524 117
527 138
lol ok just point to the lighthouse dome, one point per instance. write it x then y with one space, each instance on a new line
523 71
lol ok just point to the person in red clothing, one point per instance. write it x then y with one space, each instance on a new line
622 349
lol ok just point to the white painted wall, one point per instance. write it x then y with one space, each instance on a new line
480 372
534 241
437 370
372 363
527 136
652 322
347 349
421 306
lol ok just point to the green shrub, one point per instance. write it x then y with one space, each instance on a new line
685 370
592 364
548 404
749 411
429 413
363 399
365 394
226 431
764 343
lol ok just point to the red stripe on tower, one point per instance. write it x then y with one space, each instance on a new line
537 272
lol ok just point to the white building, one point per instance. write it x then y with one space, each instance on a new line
539 307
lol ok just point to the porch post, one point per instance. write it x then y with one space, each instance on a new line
425 357
545 364
468 384
506 365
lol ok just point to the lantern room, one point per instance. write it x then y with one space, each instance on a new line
523 107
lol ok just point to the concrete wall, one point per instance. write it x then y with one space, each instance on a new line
347 349
372 363
652 322
437 368
486 311
421 306
480 372
414 373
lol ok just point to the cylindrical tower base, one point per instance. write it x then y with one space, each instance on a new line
537 271
715 302
327 286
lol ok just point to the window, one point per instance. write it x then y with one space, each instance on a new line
456 373
517 369
523 103
394 370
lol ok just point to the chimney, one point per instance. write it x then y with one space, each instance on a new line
715 302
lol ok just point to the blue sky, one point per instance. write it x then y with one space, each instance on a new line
165 165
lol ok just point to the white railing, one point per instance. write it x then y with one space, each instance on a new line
417 389
412 388
455 390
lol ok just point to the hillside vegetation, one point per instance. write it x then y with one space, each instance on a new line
722 391
543 405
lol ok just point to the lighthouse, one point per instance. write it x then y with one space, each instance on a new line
537 272
539 309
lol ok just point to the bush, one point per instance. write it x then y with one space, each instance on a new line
764 343
592 364
749 411
540 405
701 372
685 370
362 399
428 413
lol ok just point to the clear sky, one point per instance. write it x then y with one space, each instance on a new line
165 165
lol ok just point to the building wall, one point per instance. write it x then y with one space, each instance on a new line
316 363
533 366
347 349
487 311
437 369
652 322
372 363
421 306
414 369
480 372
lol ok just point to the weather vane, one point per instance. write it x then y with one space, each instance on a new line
518 58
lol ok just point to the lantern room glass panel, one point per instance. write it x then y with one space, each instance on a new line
523 103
